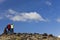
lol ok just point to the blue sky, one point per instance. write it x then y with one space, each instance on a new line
40 16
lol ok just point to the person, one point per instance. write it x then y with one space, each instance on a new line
9 28
12 28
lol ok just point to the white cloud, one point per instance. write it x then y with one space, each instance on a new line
24 16
58 19
1 17
58 36
1 1
27 16
11 11
48 3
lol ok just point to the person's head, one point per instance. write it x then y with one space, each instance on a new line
9 24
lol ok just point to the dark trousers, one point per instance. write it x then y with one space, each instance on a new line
12 30
9 31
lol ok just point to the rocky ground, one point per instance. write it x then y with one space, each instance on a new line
28 36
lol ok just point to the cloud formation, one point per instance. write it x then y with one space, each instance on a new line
1 17
24 16
1 1
11 11
58 36
58 19
27 16
48 3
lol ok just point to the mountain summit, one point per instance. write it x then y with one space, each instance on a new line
27 36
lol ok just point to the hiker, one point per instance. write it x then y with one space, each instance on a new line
12 28
9 28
